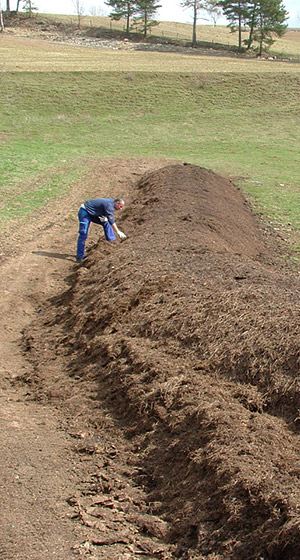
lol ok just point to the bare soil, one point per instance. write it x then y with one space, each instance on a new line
150 398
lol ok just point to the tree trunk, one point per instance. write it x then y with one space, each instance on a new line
7 5
194 40
240 32
1 21
261 36
145 23
250 39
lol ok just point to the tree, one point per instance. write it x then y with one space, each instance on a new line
29 7
266 20
236 12
213 10
145 12
122 9
263 18
196 5
97 11
80 9
251 21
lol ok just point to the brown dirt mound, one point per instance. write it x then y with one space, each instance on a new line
187 335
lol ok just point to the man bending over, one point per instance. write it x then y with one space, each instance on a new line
99 211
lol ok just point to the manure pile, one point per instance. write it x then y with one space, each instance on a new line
188 334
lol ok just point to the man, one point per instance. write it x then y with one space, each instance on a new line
99 211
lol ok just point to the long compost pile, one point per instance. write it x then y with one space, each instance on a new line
188 334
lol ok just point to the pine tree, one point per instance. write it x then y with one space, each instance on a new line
122 9
266 20
236 11
145 12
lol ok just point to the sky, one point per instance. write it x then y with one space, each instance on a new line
170 10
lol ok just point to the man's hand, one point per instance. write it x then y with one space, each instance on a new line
118 232
121 235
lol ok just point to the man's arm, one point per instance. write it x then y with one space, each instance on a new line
117 231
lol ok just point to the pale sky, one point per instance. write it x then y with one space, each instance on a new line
170 10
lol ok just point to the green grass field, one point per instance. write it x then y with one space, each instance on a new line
237 117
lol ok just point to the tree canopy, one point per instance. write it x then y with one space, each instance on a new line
140 12
264 19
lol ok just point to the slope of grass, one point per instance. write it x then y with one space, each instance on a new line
238 117
33 55
219 35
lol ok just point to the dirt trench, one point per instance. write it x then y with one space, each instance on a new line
169 366
51 466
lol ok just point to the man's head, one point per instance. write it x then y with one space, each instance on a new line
119 203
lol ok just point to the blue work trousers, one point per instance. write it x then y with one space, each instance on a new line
85 220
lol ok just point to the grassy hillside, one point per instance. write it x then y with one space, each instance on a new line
34 55
242 122
211 36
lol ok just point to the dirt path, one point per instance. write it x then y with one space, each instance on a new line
39 468
38 471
